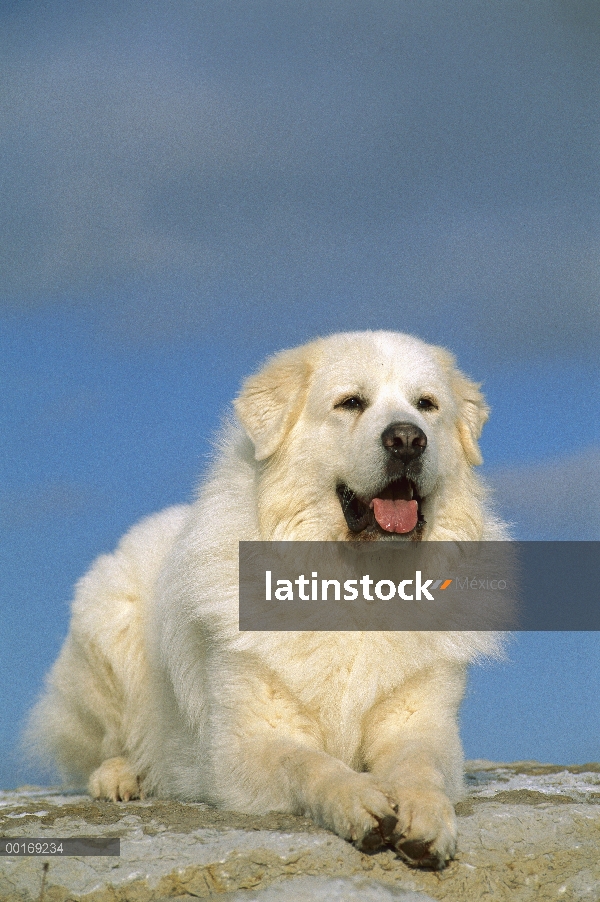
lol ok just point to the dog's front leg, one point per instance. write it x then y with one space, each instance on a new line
267 755
411 745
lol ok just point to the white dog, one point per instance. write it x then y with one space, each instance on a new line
357 436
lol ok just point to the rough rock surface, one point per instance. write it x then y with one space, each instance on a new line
526 832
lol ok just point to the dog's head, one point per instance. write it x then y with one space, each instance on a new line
361 436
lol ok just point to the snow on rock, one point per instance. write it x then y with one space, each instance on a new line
527 831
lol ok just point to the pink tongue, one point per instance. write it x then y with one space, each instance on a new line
396 516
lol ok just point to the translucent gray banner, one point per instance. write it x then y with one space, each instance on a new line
419 586
59 847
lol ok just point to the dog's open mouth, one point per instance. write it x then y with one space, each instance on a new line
396 509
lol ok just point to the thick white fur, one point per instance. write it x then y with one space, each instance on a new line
156 690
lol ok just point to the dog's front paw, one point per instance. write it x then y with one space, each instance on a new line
357 809
114 780
425 835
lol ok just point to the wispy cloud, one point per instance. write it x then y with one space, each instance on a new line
402 164
555 500
40 504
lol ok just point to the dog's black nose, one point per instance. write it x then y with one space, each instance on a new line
404 441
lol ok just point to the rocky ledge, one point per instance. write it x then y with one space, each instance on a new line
526 832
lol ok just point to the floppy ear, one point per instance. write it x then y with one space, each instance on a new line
473 415
271 400
473 411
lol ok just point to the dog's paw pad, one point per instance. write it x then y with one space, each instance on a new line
418 854
380 836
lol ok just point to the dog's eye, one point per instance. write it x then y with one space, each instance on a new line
352 403
425 403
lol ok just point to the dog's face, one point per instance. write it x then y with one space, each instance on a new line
361 434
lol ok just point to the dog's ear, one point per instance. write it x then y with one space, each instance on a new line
473 415
271 400
473 412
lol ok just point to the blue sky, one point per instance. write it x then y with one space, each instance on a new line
189 187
